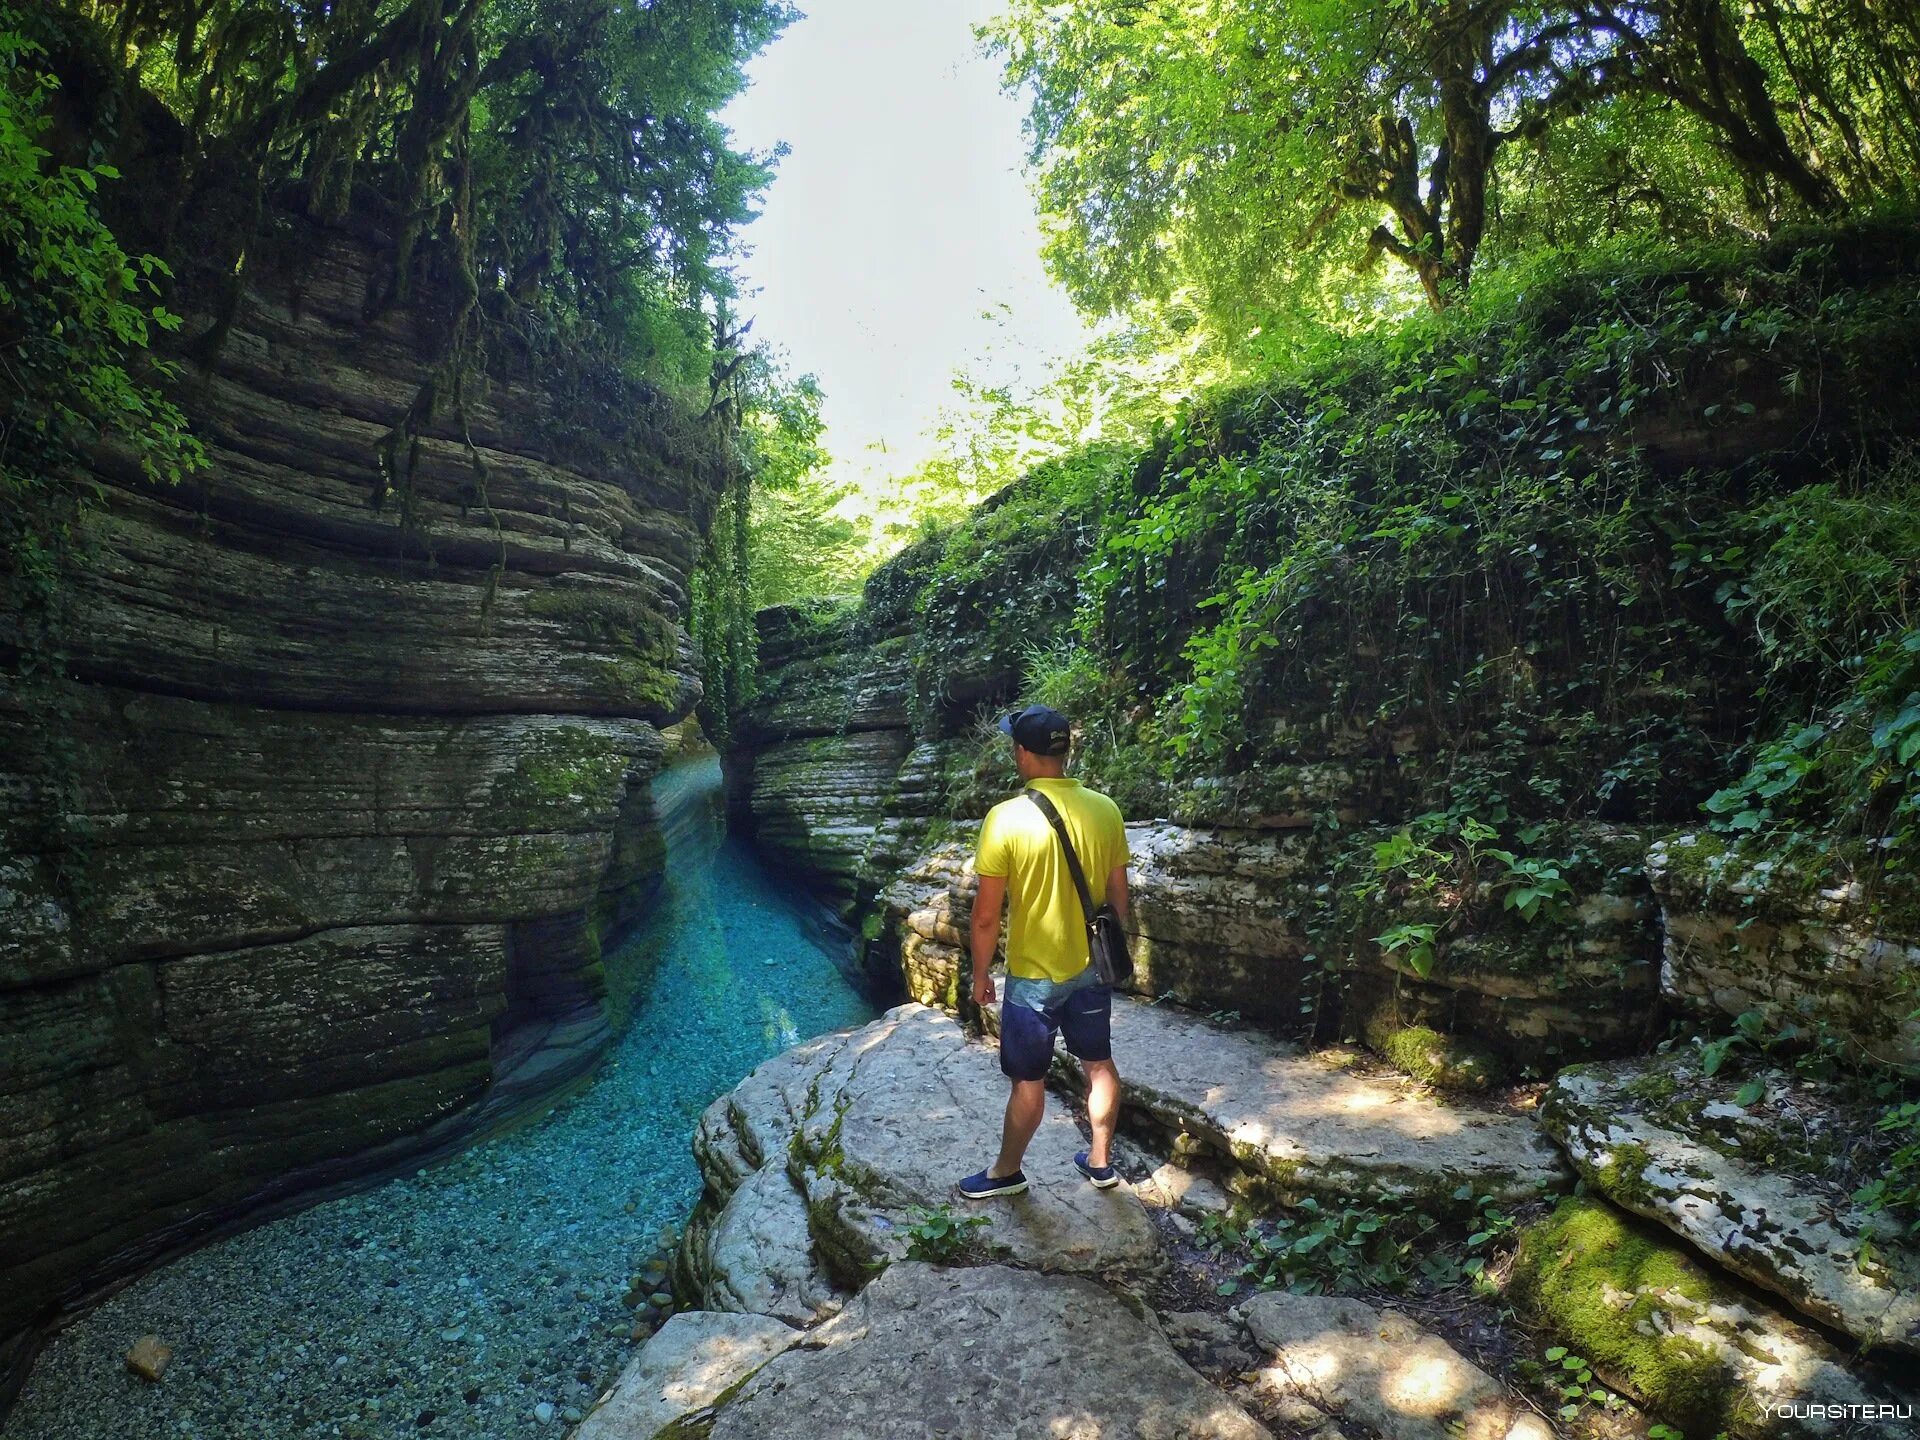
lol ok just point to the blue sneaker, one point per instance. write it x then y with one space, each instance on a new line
982 1186
1104 1177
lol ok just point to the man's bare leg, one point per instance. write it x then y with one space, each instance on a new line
1103 1108
1025 1105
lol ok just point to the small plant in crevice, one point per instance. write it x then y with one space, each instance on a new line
1313 1249
1412 943
935 1234
1896 1190
1574 1383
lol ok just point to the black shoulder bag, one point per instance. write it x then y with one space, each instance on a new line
1106 941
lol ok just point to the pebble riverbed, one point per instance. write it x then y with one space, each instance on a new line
480 1298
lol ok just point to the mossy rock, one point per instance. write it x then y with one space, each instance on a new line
1446 1062
1695 1349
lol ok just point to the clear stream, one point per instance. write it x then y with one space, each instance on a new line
461 1300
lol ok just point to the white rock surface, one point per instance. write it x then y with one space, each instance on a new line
986 1351
1379 1370
869 1124
758 1254
694 1358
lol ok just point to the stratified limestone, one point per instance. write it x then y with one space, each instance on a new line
822 745
815 804
925 915
1217 916
690 1362
1578 983
1214 917
925 1352
1381 1371
325 831
1697 1350
1754 1187
1302 1124
1761 935
869 1125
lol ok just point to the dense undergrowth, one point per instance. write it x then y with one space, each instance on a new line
1618 543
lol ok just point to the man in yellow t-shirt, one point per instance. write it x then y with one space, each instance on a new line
1051 987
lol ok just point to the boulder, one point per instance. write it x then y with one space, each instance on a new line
874 1123
1381 1371
691 1361
1698 1350
927 1352
1755 1187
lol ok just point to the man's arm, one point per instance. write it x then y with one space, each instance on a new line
985 933
1117 895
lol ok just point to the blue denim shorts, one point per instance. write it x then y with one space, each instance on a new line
1080 1011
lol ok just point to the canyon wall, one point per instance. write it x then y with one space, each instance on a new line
315 815
841 789
1457 813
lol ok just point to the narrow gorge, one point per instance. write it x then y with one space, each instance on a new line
489 789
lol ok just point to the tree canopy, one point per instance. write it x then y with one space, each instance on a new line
562 156
1250 153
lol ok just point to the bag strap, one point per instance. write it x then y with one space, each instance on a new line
1073 860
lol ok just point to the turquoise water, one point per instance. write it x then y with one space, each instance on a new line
456 1301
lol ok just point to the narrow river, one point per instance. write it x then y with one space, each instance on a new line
474 1297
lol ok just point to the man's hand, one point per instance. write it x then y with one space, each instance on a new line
983 990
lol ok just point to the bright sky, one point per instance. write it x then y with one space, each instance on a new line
899 216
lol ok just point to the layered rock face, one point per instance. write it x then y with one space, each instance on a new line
849 780
1743 936
325 832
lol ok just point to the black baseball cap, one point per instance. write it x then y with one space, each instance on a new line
1036 728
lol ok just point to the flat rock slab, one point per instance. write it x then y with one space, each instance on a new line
863 1127
688 1364
1381 1371
909 1107
927 1352
1662 1139
1310 1126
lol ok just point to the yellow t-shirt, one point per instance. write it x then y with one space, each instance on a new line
1046 928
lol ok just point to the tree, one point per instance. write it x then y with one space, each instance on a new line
1240 148
560 161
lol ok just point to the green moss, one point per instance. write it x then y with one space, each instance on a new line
1606 1287
559 774
594 616
1652 1088
645 645
1623 1174
638 681
1447 1062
